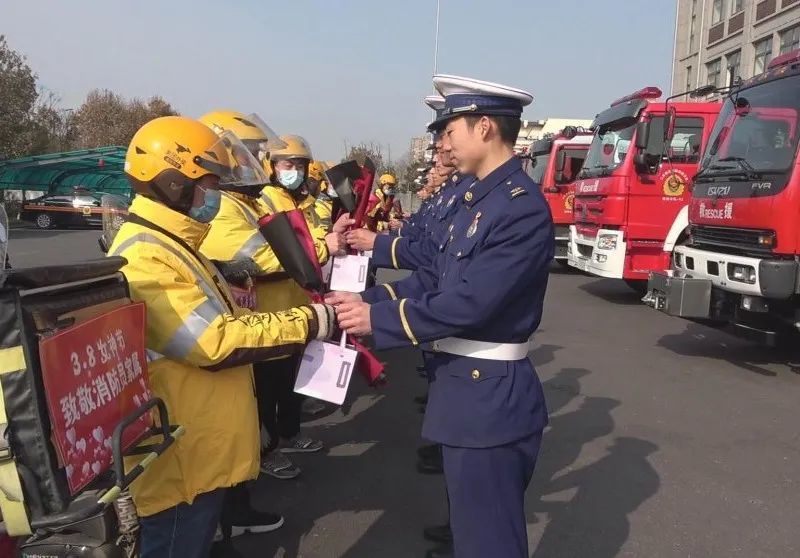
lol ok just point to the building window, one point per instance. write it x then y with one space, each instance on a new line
692 26
763 55
689 80
714 69
734 63
790 39
736 6
717 11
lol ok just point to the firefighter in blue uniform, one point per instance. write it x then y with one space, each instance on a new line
416 246
478 305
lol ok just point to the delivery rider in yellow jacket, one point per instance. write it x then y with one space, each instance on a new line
234 237
200 344
318 187
280 408
239 250
388 209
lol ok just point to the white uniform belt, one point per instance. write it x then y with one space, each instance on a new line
481 349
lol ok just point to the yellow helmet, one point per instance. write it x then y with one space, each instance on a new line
316 170
251 129
168 155
296 148
387 180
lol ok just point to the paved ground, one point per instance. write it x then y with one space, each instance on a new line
667 439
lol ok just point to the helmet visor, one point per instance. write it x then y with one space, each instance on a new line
272 142
232 162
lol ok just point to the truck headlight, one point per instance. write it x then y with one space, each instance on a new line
607 242
742 273
767 240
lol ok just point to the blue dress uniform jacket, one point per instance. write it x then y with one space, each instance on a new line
487 283
420 248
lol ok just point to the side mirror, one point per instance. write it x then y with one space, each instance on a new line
669 124
642 134
640 162
646 163
561 160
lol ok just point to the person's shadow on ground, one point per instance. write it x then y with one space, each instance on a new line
586 508
589 509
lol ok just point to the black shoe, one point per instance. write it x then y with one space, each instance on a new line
430 467
256 522
438 533
421 399
431 451
444 551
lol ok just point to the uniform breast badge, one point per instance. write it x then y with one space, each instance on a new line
473 228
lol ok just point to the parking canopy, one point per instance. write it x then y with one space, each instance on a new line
97 170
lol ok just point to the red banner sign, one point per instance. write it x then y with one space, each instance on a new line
95 374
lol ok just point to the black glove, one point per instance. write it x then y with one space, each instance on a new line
238 272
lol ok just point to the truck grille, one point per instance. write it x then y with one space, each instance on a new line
729 237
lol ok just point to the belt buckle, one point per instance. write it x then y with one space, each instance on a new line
435 346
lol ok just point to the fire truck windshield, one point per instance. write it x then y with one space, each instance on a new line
756 132
537 166
609 147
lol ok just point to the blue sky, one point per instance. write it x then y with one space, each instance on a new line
343 70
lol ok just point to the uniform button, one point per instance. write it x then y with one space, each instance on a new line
476 374
468 196
459 254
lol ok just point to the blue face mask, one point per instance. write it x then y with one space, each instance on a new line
291 179
389 191
206 212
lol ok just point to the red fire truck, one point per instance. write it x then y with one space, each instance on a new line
554 163
740 266
631 196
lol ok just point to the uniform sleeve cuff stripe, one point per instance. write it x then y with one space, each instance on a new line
391 290
406 326
394 253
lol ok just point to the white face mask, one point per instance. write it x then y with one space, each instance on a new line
290 179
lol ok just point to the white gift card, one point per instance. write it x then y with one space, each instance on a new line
325 370
349 273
